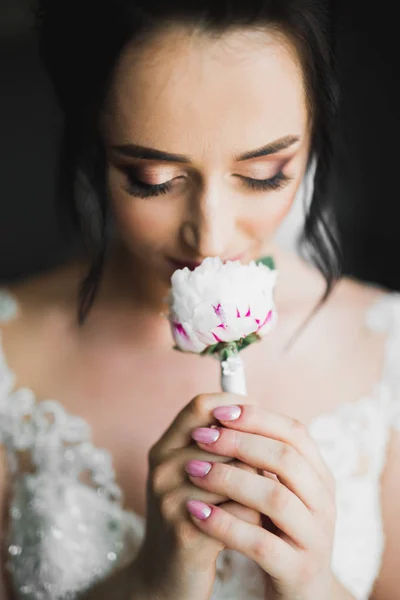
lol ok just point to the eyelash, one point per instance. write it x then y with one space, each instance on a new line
141 189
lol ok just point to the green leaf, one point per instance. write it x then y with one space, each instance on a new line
211 349
228 349
267 261
245 342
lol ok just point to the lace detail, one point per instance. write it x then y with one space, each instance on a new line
353 443
66 508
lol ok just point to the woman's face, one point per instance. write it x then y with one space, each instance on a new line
207 141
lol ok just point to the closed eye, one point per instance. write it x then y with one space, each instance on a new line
276 182
141 189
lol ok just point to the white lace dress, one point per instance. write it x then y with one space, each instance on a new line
67 529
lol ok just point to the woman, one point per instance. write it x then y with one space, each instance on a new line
189 129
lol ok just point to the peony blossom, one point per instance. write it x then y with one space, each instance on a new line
220 303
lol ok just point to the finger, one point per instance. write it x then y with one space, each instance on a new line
270 552
171 472
175 500
242 512
197 413
292 469
172 487
265 496
260 421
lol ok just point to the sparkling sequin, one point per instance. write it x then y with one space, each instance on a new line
57 533
26 589
112 556
15 512
15 550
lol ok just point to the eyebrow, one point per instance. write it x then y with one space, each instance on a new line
142 152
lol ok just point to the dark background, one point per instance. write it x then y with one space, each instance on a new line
365 183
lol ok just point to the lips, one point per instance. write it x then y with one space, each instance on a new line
178 264
192 264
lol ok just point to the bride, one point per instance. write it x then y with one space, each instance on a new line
190 129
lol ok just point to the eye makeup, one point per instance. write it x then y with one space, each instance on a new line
141 189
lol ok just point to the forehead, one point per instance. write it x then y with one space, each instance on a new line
186 92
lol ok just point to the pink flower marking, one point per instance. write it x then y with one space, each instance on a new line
218 310
216 337
266 320
179 328
248 314
237 313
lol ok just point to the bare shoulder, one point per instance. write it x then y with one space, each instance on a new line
44 327
339 326
302 288
353 298
344 329
48 294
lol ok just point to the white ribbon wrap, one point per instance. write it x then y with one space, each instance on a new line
233 379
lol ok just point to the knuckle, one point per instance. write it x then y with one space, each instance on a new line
170 504
159 478
199 405
278 497
286 456
259 550
298 429
186 534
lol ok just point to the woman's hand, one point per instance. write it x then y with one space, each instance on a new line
177 559
295 495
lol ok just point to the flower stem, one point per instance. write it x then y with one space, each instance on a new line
233 379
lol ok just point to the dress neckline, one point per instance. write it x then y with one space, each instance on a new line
9 309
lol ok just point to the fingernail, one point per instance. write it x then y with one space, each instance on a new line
198 509
206 435
198 468
227 413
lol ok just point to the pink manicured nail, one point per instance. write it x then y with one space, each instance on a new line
198 509
198 468
205 435
227 413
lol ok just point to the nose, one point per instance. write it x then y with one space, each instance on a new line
210 227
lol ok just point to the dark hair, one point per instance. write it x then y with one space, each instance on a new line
80 42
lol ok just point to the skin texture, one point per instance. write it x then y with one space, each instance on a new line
210 99
177 95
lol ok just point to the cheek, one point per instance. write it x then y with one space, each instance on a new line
143 224
264 219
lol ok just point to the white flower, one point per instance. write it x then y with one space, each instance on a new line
220 302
